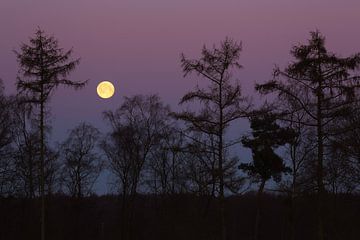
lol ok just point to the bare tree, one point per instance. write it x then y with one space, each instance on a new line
137 127
26 155
344 174
222 103
6 140
166 173
299 156
82 163
201 166
201 176
43 67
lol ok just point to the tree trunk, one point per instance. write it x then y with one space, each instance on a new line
123 213
320 184
292 211
221 172
31 179
42 180
293 194
258 210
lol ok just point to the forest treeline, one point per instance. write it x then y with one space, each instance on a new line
177 172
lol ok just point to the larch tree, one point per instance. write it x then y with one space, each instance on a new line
221 104
322 85
44 66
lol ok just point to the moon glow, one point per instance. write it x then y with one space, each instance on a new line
105 89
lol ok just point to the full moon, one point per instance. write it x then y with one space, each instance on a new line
105 89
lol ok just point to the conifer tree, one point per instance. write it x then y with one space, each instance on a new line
321 85
267 136
221 104
43 67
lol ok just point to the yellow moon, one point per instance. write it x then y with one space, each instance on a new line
105 89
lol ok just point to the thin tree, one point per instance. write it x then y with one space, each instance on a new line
82 164
138 126
43 67
321 85
166 163
6 140
222 103
299 152
345 150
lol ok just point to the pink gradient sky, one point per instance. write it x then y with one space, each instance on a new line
136 44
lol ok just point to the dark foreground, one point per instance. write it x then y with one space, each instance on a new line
177 217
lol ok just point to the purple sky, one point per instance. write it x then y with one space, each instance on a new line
136 44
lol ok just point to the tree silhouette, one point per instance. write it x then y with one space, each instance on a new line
299 153
267 136
82 164
345 153
138 126
166 163
26 152
43 67
222 103
6 139
320 84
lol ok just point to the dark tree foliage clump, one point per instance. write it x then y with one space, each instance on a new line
267 136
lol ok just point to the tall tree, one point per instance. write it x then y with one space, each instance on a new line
82 164
321 85
137 125
267 136
222 103
43 67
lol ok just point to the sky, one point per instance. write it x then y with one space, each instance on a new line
137 44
